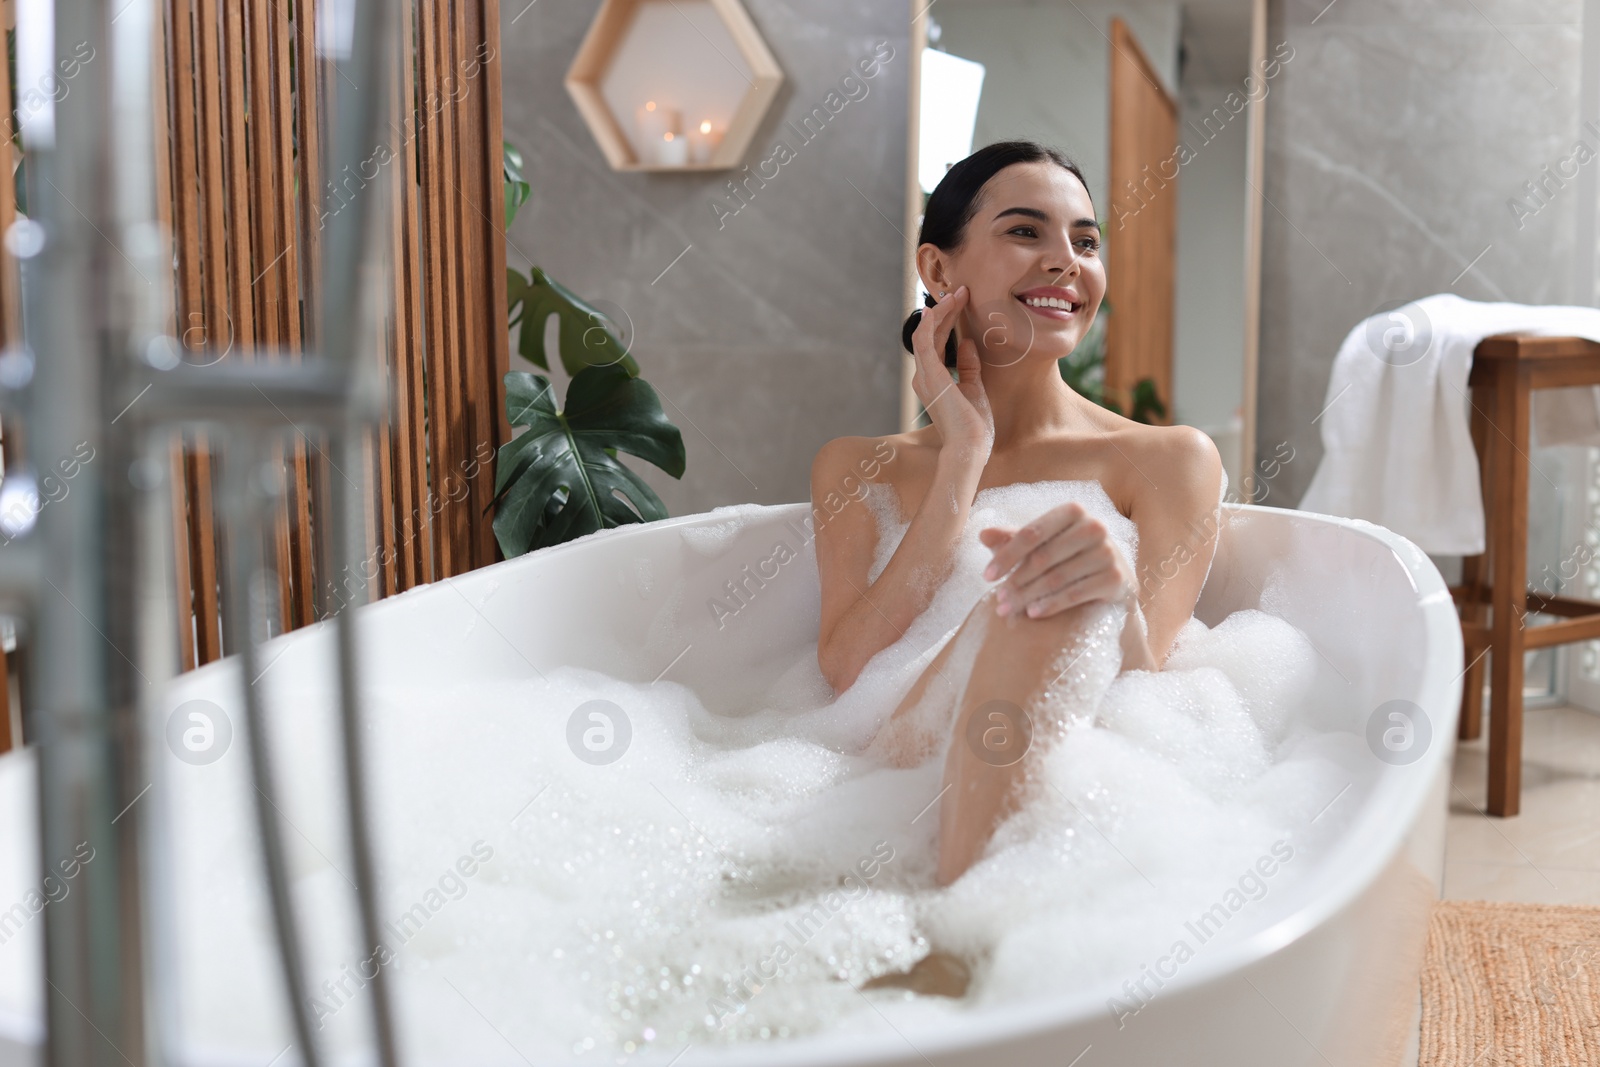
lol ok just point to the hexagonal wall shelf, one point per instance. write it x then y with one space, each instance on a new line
695 69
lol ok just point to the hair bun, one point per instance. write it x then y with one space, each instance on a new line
914 320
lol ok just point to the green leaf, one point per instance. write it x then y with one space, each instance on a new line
585 339
516 293
560 478
1146 400
20 179
517 190
517 194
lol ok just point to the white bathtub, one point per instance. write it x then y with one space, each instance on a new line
1330 975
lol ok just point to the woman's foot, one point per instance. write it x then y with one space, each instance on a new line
938 974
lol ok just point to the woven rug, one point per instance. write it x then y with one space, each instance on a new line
1511 985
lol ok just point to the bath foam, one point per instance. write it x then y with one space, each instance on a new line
710 540
733 880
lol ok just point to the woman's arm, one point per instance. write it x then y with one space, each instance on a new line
1179 516
1065 557
859 619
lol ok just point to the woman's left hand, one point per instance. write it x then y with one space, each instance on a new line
1061 559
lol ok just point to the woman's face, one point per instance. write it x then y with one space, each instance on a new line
1031 249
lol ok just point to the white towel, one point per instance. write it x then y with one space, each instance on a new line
1397 447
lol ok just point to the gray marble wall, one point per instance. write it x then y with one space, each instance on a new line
774 329
1397 135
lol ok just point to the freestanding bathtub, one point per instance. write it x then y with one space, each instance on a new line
1329 977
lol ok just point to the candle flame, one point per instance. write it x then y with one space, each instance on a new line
705 126
667 136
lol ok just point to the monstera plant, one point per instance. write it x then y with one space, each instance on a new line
560 477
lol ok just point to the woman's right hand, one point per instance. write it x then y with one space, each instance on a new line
959 410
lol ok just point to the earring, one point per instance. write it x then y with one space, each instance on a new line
941 292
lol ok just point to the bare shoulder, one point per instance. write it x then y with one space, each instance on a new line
1175 444
846 458
1177 465
844 462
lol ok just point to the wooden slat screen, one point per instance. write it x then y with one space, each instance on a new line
249 103
10 322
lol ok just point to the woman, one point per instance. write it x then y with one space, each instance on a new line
1010 244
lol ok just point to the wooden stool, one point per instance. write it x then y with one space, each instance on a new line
1493 596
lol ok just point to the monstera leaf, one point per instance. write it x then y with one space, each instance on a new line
560 478
1147 401
585 334
517 190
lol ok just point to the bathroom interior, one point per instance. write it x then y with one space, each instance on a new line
410 586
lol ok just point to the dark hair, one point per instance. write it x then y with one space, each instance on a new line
954 201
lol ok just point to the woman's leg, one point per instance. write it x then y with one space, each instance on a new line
917 730
997 702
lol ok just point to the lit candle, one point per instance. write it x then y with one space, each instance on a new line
672 150
654 121
703 141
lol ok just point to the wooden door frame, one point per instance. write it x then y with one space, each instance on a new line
909 404
1255 201
1124 132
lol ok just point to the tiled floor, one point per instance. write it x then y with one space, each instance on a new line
1550 853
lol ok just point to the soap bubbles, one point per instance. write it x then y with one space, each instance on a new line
598 732
1399 334
199 732
1398 732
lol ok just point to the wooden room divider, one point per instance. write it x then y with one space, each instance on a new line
243 194
248 97
10 322
242 188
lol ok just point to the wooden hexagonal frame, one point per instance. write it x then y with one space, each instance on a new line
599 48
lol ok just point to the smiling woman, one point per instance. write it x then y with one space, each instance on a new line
951 208
1010 243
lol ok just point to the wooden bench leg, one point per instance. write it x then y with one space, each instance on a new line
1470 726
1474 569
1507 511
